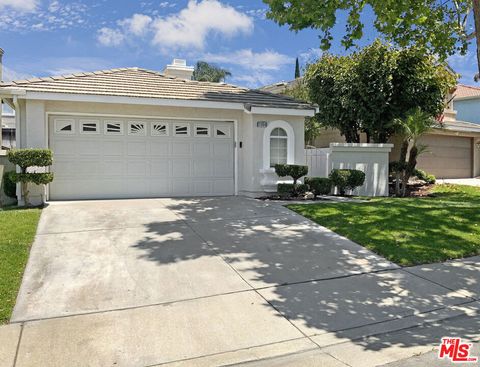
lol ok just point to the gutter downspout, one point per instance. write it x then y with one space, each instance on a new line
18 143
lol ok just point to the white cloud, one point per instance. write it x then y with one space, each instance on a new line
20 5
254 68
110 37
465 65
191 26
136 25
247 59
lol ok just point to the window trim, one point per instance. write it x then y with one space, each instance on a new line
106 132
207 126
56 122
181 125
290 142
84 121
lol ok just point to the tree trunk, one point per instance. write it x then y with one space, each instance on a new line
410 168
476 18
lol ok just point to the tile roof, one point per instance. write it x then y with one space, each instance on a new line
142 83
467 91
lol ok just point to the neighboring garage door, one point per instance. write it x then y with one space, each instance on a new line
98 158
446 156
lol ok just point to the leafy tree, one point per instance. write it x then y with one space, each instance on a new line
297 69
205 72
416 124
298 90
371 90
442 27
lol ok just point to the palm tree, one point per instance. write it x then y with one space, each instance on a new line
205 72
416 124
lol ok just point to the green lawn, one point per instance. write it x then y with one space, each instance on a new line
408 231
17 230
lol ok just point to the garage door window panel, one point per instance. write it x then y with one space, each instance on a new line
137 128
64 126
182 130
222 131
159 129
89 127
113 128
202 130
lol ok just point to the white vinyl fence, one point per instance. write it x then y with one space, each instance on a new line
369 158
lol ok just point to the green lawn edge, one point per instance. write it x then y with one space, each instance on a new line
17 232
408 231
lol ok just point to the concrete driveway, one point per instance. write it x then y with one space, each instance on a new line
208 281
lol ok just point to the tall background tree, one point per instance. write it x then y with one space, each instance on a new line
370 91
441 27
297 69
205 72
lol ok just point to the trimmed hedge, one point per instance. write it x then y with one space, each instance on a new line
286 190
42 178
346 179
9 184
319 185
30 157
292 170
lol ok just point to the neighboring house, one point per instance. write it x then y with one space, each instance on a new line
8 131
131 132
453 151
467 103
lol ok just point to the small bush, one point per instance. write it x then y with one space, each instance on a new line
430 179
9 185
347 179
30 157
292 170
319 185
339 178
355 179
424 176
286 190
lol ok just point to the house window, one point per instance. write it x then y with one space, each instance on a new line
202 130
113 127
64 126
159 129
136 128
182 130
89 127
222 131
278 146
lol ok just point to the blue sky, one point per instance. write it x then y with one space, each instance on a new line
49 37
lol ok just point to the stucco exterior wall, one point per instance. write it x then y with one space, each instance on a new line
468 110
33 131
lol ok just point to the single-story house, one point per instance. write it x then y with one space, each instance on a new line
467 103
132 132
452 151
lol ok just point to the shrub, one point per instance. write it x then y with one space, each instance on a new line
9 184
319 185
355 179
292 170
286 190
347 179
424 176
26 158
339 178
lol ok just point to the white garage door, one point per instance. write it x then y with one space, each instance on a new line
97 158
